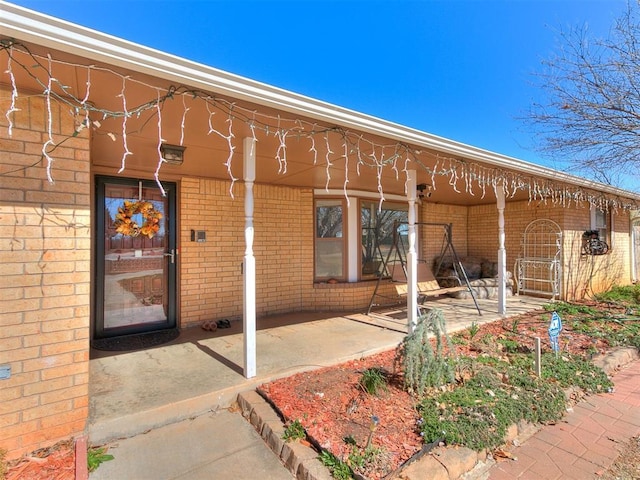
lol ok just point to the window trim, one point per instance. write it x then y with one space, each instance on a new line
386 206
343 239
351 228
606 232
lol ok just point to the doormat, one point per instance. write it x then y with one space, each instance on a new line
139 341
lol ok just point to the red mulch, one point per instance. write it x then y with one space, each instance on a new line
54 463
332 406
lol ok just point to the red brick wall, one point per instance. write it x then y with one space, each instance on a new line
45 269
483 228
582 276
211 272
431 237
585 275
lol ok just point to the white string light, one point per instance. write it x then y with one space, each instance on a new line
125 116
313 149
281 152
160 157
328 160
346 171
472 174
14 96
184 118
232 148
359 152
49 141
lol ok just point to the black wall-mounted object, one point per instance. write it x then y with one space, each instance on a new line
198 236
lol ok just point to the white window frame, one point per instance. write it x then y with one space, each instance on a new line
352 219
342 239
602 221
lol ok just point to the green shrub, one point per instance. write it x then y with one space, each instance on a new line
564 308
373 380
96 456
571 370
294 431
473 330
337 468
477 413
627 295
423 367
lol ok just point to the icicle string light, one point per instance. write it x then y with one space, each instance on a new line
460 174
359 153
160 158
232 148
345 154
47 94
314 150
14 96
328 161
185 109
281 153
124 126
88 84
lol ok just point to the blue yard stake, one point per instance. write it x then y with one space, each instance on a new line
555 327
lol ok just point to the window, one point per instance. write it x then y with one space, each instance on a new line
601 222
377 234
330 241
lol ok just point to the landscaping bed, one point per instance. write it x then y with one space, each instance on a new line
371 435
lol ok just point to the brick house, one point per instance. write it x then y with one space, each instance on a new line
140 191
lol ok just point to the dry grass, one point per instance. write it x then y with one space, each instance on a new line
627 465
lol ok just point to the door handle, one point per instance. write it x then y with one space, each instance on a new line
172 255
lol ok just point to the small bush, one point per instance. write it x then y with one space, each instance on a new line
473 330
96 456
423 367
628 295
563 308
3 464
477 413
373 380
569 370
337 468
294 431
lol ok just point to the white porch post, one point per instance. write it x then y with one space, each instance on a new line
412 258
502 253
249 262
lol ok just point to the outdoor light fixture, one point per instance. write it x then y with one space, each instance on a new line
372 428
172 154
421 188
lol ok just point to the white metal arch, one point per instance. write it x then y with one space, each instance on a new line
539 265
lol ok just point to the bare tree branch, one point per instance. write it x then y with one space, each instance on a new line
591 115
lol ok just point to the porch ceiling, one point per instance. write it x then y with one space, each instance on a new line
204 130
336 149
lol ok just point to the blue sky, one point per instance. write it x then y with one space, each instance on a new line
461 69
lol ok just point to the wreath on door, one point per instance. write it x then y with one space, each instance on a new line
126 225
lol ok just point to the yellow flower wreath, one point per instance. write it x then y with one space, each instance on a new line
125 224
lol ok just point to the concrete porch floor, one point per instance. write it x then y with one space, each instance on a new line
133 392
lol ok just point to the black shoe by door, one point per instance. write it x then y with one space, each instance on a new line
135 257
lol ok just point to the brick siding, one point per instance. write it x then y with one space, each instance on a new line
211 272
45 270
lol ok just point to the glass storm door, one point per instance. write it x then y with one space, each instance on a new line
135 257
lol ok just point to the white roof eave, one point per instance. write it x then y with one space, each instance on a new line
34 27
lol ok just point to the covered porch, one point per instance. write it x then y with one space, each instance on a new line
132 392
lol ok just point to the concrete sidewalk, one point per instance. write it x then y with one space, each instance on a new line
585 443
220 445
